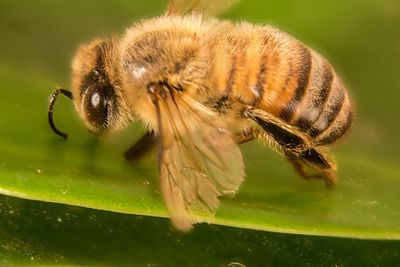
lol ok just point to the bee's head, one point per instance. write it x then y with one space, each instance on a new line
96 89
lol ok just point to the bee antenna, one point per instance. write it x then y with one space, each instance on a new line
52 101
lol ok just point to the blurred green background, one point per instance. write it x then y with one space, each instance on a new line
354 221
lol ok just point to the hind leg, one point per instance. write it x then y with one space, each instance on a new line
324 167
295 145
243 137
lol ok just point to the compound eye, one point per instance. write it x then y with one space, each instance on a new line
96 106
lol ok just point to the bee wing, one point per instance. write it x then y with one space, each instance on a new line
211 7
198 160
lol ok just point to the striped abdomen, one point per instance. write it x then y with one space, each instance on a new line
270 70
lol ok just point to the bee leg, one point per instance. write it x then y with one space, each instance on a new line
145 144
243 137
324 166
295 146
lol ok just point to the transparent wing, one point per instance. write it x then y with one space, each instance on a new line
211 7
199 161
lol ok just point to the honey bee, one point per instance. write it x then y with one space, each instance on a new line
202 86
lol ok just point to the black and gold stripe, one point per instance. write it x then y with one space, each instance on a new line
318 97
261 79
330 112
302 82
340 128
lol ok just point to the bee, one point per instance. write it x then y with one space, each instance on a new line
202 86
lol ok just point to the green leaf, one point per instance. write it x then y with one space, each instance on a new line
35 164
34 232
